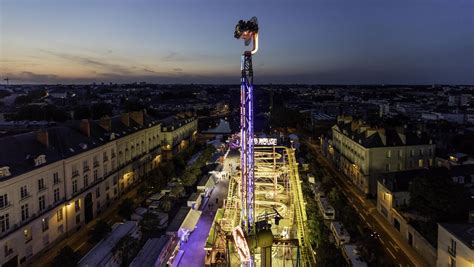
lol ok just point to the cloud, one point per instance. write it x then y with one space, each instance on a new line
94 63
178 69
177 57
31 77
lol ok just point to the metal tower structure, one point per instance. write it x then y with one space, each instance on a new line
247 30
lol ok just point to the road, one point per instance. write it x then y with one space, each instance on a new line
391 241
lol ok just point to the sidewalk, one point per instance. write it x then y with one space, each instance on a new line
78 241
194 253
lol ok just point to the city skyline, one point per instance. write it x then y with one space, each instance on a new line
189 42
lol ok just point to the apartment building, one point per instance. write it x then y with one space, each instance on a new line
456 244
362 151
177 132
55 180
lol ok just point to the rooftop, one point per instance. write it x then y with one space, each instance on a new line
462 231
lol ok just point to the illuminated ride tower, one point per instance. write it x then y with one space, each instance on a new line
247 30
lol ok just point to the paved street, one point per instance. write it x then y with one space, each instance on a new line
194 253
392 242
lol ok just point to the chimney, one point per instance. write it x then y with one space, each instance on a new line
85 127
42 137
105 123
137 116
125 119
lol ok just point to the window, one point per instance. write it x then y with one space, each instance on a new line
452 262
412 152
387 167
421 152
400 153
56 195
420 163
389 153
86 180
452 248
74 186
399 166
59 214
75 172
55 178
24 212
107 185
97 192
3 201
105 170
85 165
430 152
23 192
115 180
41 184
77 205
4 222
45 224
96 175
78 218
411 163
430 162
96 162
104 156
42 203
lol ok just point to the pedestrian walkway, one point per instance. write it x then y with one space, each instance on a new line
194 253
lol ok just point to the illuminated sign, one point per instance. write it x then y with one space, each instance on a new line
241 244
265 141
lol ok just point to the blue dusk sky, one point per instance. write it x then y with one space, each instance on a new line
178 41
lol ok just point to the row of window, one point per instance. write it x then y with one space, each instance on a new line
411 164
388 153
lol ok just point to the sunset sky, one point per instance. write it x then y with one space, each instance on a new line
177 41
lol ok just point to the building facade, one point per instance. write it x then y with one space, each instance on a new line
56 180
455 245
362 151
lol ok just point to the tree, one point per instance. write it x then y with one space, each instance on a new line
166 205
126 208
126 249
177 191
100 230
148 223
100 110
82 112
435 196
66 257
329 255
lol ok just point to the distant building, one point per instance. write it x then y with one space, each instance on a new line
177 132
455 245
363 151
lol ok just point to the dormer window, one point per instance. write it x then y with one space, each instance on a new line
41 159
5 171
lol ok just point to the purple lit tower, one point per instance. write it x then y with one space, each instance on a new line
247 30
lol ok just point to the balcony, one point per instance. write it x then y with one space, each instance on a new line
75 173
85 169
96 164
6 206
452 251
